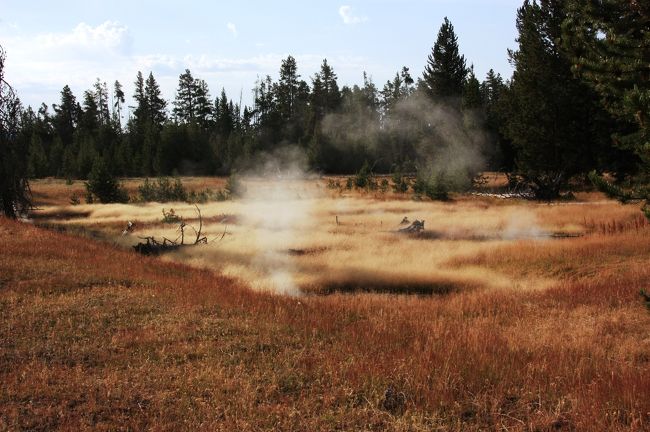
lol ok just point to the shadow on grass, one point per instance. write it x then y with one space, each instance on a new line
378 283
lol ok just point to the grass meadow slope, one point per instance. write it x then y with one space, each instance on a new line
488 322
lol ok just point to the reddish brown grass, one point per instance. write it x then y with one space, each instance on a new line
97 338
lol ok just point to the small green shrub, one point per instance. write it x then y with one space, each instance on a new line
170 217
333 184
103 185
162 190
363 177
220 196
434 186
74 199
383 186
400 183
234 187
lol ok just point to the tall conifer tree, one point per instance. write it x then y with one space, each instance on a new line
446 69
552 117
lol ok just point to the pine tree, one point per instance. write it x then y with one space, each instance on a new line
14 186
156 105
550 114
204 110
472 97
66 116
446 70
325 95
37 164
609 42
56 157
101 101
185 102
224 117
287 88
102 185
90 115
493 90
118 101
141 109
396 90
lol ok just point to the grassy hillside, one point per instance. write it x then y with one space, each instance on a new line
97 338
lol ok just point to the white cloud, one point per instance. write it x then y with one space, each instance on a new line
39 65
8 25
50 60
108 36
232 28
348 17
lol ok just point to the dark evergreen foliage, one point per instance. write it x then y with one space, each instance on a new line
15 197
162 190
446 70
103 186
552 118
544 125
609 43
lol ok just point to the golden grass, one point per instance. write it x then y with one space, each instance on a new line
523 332
57 192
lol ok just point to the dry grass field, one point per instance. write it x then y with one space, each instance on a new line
306 310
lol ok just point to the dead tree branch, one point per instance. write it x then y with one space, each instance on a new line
151 246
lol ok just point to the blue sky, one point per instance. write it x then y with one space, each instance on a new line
229 44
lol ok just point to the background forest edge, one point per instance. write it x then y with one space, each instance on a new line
557 117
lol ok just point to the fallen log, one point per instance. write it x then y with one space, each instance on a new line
416 227
152 246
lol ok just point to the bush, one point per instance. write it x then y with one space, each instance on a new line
433 186
103 185
333 184
74 199
400 183
234 187
200 197
170 217
163 190
220 196
383 186
363 177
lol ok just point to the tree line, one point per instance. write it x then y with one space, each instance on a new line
577 102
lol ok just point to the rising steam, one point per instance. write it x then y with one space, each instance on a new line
442 139
278 206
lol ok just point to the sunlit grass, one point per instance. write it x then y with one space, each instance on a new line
515 330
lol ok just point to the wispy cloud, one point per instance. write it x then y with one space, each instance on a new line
232 28
40 65
108 36
348 16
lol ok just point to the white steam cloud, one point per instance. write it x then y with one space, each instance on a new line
442 140
278 206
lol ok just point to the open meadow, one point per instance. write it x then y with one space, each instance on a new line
307 309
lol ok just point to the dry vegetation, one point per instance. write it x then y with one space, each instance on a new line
511 328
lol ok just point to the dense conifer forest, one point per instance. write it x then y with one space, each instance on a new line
577 103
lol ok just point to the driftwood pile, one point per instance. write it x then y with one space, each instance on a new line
152 246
